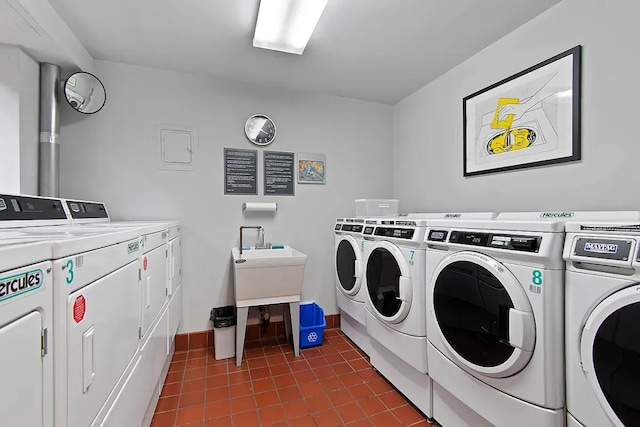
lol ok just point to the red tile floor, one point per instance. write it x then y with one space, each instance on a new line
329 385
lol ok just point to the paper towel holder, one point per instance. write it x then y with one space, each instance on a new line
259 207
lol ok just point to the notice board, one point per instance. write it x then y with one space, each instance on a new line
240 171
278 173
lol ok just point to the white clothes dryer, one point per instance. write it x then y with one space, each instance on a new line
26 377
494 303
395 313
350 292
160 290
602 321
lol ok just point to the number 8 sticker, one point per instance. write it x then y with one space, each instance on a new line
536 279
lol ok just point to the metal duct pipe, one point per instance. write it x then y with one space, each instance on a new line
49 184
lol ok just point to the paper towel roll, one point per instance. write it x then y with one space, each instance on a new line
259 207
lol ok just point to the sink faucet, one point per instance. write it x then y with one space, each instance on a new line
257 227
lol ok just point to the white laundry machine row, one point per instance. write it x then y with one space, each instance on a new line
95 306
494 310
395 316
160 292
350 291
602 321
26 319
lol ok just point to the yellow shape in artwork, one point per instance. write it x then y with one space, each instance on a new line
511 140
506 123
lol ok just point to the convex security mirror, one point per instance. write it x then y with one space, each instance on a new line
85 92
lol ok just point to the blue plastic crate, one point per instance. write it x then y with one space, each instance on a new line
312 324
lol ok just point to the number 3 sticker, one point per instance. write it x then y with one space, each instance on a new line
69 266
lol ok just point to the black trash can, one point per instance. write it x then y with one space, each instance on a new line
224 332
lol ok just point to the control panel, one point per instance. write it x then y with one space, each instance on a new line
84 210
492 240
354 228
368 230
397 233
25 208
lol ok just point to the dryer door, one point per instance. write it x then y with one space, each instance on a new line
483 314
610 355
389 282
348 265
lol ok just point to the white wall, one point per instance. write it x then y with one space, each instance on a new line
110 156
428 131
19 111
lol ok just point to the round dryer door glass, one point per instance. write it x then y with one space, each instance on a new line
346 265
472 309
383 282
616 361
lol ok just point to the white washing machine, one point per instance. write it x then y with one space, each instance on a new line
26 377
494 306
350 292
603 323
395 293
95 280
160 290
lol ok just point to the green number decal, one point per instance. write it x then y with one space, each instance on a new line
362 245
412 254
69 266
536 279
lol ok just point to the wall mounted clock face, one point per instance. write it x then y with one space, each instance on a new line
260 129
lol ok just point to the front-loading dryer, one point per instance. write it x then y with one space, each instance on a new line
602 321
494 309
26 376
350 292
395 313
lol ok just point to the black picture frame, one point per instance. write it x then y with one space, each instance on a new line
505 131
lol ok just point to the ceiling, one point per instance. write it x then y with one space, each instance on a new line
375 50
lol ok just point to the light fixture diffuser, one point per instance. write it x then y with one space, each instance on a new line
287 25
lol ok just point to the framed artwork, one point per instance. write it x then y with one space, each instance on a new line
311 168
529 119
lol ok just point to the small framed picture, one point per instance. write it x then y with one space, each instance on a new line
311 168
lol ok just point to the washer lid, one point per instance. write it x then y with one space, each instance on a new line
610 355
483 314
348 265
389 282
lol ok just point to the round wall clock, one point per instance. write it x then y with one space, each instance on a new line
260 129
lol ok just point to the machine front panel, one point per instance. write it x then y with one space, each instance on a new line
472 309
383 282
21 372
616 359
346 257
102 321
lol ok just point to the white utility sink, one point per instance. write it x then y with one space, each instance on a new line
268 276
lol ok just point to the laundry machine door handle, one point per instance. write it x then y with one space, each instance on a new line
357 268
405 292
88 372
148 291
522 329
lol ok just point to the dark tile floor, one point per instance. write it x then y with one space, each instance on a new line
330 385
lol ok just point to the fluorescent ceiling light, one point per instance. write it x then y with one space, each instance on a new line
286 25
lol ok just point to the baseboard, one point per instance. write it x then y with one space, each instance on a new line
204 339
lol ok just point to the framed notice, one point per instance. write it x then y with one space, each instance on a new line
278 173
240 171
529 119
311 168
